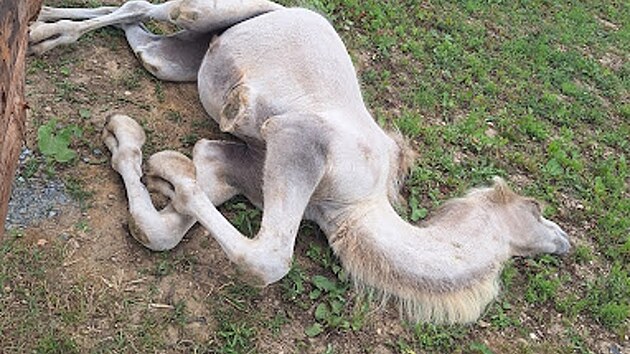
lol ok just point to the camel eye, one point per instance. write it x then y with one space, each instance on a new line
536 207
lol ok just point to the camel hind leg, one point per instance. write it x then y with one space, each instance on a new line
193 15
52 14
175 57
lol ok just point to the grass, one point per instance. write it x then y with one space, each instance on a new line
536 92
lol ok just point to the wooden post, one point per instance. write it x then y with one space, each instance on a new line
14 18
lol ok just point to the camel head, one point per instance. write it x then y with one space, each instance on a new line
530 232
446 270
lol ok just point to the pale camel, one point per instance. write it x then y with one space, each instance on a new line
280 80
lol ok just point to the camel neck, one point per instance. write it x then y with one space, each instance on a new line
449 256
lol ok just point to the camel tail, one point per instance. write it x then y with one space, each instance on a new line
420 299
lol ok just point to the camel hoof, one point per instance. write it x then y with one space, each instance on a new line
171 167
174 171
46 36
124 138
125 131
38 32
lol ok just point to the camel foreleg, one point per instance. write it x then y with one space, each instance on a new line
294 165
157 230
223 168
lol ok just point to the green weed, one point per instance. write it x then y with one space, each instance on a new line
236 337
294 283
54 142
438 338
244 216
609 297
78 192
55 344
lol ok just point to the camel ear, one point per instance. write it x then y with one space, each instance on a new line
501 193
401 167
406 154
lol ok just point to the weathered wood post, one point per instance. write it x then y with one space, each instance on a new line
14 18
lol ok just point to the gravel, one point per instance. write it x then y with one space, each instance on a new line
35 198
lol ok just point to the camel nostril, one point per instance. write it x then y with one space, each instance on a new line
563 246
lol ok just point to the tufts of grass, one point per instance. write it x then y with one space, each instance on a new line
438 338
608 297
244 216
236 338
28 304
55 344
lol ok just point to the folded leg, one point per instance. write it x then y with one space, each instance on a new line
157 230
223 168
294 164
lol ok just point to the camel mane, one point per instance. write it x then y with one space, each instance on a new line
499 193
459 299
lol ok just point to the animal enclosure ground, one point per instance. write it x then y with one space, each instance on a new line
536 92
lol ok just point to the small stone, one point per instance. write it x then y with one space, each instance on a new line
491 133
533 336
52 213
24 154
42 242
97 152
74 243
483 324
127 93
86 159
614 349
47 109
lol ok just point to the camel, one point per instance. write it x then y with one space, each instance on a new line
281 81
